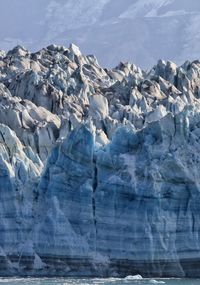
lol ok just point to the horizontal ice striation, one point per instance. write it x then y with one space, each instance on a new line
99 169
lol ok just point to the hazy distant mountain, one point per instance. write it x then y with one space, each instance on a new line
140 31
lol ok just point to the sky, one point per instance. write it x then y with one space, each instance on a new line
139 31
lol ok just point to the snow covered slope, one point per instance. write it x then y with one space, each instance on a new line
139 31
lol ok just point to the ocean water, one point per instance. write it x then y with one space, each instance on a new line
97 281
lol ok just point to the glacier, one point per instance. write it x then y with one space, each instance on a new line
99 168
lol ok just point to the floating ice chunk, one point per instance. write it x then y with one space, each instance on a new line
153 281
133 277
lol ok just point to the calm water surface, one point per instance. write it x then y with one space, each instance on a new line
97 281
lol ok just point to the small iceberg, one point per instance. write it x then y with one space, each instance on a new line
153 281
133 277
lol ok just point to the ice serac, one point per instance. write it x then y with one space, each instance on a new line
67 228
147 200
19 170
99 169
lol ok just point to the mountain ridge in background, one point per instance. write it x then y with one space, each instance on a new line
140 31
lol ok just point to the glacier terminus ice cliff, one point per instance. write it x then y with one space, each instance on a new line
99 168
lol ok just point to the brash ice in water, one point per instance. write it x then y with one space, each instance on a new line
129 280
